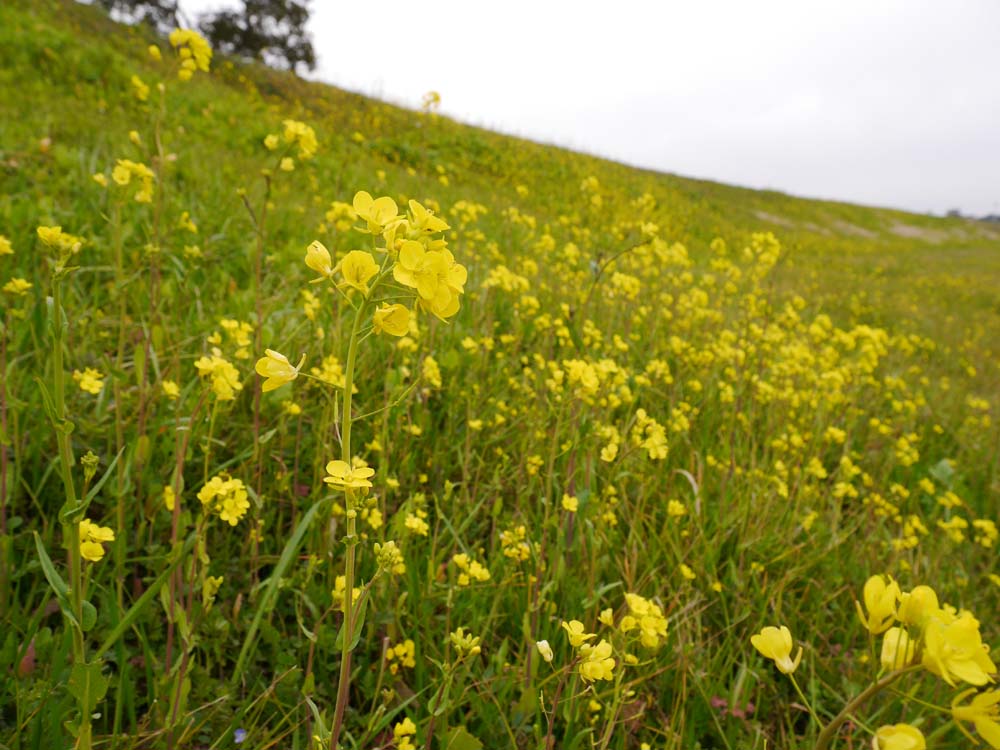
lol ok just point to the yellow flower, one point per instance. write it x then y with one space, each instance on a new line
140 89
302 135
776 644
424 222
576 633
90 380
570 503
438 279
465 643
226 496
5 247
597 663
271 142
154 52
91 538
169 498
983 712
225 377
955 649
277 369
171 390
191 46
376 212
318 259
391 319
545 650
341 474
898 737
287 164
57 239
17 287
357 268
402 734
917 606
881 595
898 649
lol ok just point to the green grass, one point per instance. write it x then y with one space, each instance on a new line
790 375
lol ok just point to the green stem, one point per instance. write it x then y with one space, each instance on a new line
71 530
344 682
825 738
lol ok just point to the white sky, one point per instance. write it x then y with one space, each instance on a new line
886 102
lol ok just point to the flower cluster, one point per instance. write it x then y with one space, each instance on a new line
194 51
92 537
469 569
124 172
225 378
226 497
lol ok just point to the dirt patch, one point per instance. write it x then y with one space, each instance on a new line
853 230
934 236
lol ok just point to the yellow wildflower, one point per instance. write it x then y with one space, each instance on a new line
898 737
983 712
277 370
391 319
357 268
776 644
92 537
90 380
342 475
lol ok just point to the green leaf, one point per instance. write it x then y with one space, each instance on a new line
47 403
75 515
266 603
88 685
56 582
361 608
458 738
89 616
147 596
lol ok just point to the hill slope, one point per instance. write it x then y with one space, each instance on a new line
663 411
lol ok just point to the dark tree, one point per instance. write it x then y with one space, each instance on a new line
272 31
160 14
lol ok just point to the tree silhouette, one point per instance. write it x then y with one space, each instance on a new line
272 31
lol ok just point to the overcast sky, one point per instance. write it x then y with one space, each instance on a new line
885 102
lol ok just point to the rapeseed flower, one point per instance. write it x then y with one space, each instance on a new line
224 377
277 370
319 260
225 496
898 737
342 474
194 51
377 213
983 712
357 268
954 650
90 380
776 644
576 633
898 649
545 650
881 595
92 537
17 287
392 319
597 662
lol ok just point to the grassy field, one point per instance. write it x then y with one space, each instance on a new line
567 435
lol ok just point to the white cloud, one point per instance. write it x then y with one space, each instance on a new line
890 102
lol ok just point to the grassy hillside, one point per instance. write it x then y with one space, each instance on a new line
626 421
